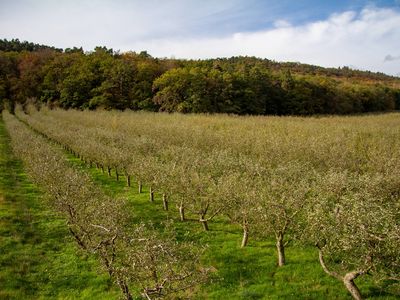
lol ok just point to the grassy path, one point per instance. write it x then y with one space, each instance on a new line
38 259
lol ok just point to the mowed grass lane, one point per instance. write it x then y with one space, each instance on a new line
38 258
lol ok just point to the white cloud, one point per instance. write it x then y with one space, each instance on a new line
282 23
187 29
361 40
89 23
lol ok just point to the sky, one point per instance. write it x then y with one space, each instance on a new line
360 34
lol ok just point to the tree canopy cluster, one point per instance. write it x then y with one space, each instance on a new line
72 78
18 46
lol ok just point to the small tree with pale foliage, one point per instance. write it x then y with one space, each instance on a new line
355 225
283 194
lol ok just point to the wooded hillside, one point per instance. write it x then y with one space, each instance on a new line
72 78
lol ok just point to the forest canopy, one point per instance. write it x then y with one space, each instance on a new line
104 78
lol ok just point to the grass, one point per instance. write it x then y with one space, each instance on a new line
248 273
38 258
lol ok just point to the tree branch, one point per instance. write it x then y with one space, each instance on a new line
325 268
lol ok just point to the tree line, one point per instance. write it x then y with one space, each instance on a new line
104 78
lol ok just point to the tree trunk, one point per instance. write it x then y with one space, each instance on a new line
145 295
165 201
182 212
151 195
203 221
77 238
109 171
108 266
124 288
281 250
325 267
205 224
348 281
140 187
245 235
128 180
102 169
117 174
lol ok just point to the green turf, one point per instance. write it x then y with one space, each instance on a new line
248 273
38 258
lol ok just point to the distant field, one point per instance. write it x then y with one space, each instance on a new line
269 198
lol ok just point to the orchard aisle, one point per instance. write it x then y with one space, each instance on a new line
37 255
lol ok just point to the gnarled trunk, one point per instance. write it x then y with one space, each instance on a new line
109 171
348 281
128 180
280 247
